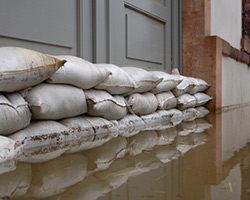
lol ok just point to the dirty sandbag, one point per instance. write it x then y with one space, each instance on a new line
199 85
119 82
167 136
144 80
145 140
102 104
100 158
14 113
142 104
52 101
21 68
101 131
176 116
53 177
130 125
168 83
190 114
16 183
166 100
184 87
41 133
202 111
79 72
186 128
186 101
202 98
90 188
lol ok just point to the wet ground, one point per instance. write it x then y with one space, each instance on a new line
204 159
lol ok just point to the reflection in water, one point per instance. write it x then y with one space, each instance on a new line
193 160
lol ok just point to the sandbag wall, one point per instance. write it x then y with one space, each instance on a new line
68 101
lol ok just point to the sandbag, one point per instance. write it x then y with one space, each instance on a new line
202 111
176 116
144 80
47 101
14 113
186 101
119 82
168 83
190 114
202 98
53 177
143 104
79 72
22 68
130 125
41 133
199 85
16 183
102 104
184 87
166 100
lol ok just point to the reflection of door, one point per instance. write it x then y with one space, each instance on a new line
136 32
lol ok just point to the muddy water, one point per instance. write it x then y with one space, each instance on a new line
193 161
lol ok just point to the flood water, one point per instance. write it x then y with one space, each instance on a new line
204 159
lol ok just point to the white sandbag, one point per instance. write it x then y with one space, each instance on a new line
186 128
21 68
202 125
186 101
7 154
100 158
14 113
166 100
16 183
119 82
202 98
184 87
202 111
41 133
79 72
144 80
130 125
168 83
145 140
176 116
48 101
89 132
143 104
190 114
53 177
102 104
167 136
199 85
158 120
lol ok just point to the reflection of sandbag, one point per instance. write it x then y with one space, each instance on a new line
202 111
102 104
79 72
184 87
190 114
90 188
185 128
54 176
167 136
198 139
14 113
166 100
130 125
202 125
186 101
202 98
16 183
199 85
143 104
166 153
119 82
41 133
101 157
144 80
145 140
22 68
48 101
168 83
